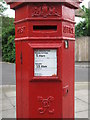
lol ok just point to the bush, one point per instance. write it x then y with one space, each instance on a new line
8 44
8 50
83 28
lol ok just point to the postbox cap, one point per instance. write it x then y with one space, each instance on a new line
70 3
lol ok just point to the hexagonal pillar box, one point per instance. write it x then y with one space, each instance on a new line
45 40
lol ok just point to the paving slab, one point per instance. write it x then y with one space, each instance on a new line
0 92
82 95
83 114
8 88
9 113
0 115
13 101
80 106
81 85
10 94
3 96
6 105
0 105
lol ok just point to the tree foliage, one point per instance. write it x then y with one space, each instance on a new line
8 35
83 28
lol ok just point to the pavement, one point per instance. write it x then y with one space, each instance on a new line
83 64
8 92
8 100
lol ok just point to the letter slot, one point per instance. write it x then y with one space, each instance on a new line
45 27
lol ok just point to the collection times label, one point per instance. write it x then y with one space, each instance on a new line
45 62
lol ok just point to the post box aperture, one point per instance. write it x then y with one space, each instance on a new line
45 28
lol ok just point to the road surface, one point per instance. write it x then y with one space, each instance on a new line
8 73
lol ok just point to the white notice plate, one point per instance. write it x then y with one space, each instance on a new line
45 62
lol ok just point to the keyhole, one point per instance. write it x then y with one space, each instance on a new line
67 90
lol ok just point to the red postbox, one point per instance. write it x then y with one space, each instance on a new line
45 40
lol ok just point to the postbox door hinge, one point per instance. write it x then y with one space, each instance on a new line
21 57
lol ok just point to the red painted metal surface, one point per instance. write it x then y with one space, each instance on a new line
52 96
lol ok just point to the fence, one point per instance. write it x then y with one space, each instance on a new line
82 49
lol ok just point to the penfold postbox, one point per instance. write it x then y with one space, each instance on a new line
45 39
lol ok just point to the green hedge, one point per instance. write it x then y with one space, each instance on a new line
8 35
